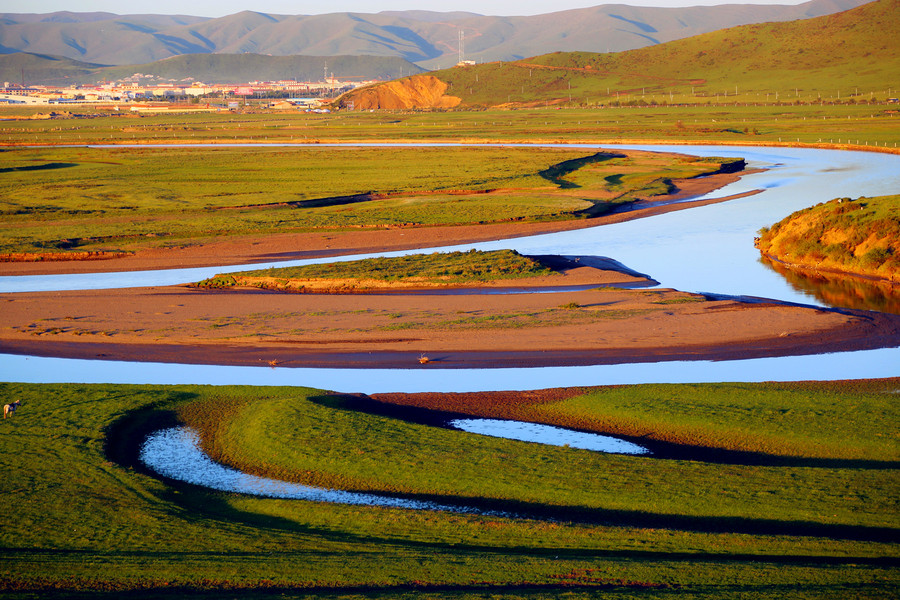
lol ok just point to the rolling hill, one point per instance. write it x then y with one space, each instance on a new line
855 49
428 39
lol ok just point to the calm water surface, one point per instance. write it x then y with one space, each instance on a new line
175 453
844 365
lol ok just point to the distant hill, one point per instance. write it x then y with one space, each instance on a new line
206 68
428 39
52 69
853 49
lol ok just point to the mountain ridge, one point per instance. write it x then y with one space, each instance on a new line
797 57
429 39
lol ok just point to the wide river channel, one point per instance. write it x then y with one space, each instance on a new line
707 249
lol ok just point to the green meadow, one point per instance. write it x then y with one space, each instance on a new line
57 199
651 117
90 521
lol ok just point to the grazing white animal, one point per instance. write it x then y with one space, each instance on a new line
9 409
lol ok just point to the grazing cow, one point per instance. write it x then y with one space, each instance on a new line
9 409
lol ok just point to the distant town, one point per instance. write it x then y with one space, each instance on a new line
183 96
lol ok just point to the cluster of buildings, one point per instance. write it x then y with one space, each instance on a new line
281 94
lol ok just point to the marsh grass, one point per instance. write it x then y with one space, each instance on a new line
379 453
814 420
91 522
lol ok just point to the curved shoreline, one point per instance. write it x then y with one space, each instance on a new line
863 331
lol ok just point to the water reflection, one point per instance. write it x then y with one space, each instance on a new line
845 291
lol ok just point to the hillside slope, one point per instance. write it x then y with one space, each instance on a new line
795 59
428 39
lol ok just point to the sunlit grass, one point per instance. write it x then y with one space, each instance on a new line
90 520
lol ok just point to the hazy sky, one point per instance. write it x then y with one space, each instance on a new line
218 8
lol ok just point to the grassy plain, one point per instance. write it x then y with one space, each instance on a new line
91 521
59 199
758 120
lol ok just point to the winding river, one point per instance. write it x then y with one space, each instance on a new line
707 249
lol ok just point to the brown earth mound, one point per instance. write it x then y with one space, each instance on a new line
418 91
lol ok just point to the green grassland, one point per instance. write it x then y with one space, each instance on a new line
92 199
587 119
91 522
860 236
823 420
817 81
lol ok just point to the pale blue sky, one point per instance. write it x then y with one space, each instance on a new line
218 8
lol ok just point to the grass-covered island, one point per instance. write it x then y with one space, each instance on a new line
857 237
755 491
412 271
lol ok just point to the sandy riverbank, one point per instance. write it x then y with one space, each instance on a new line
599 325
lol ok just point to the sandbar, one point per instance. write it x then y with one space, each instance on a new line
588 322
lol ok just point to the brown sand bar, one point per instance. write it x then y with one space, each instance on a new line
245 250
390 330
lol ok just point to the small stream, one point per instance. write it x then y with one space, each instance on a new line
547 434
175 453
